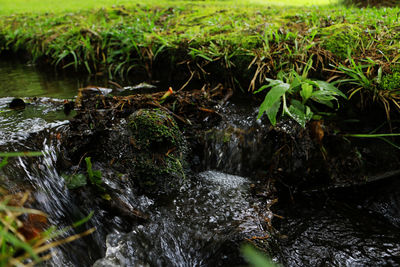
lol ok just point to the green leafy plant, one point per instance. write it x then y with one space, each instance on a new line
75 180
94 175
378 87
296 93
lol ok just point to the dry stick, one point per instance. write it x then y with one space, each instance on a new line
188 81
116 84
170 112
16 262
204 72
79 163
253 81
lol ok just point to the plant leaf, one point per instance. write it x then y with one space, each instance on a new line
255 258
273 111
75 181
325 86
324 98
300 113
262 88
272 97
306 91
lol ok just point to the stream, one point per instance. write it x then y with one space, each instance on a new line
205 222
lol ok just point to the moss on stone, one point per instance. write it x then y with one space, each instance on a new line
159 150
150 127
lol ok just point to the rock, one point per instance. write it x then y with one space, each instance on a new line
17 103
68 107
147 145
159 149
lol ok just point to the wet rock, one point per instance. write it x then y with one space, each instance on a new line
159 150
17 103
310 158
147 145
68 107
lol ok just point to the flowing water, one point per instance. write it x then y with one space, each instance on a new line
352 227
204 223
197 228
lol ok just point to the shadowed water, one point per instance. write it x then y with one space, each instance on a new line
351 227
21 80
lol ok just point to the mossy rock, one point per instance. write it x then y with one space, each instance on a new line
159 150
340 38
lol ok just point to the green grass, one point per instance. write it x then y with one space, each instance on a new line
36 6
239 42
8 7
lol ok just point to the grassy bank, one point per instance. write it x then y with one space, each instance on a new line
41 6
238 43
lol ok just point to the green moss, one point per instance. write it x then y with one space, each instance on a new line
159 150
391 81
341 39
152 127
227 137
395 68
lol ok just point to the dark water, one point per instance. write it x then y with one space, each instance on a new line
200 225
21 80
349 227
354 226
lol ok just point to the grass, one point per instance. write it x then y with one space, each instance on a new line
28 240
40 6
238 42
25 235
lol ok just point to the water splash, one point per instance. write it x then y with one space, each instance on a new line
17 125
203 225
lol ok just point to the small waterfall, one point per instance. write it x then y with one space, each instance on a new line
202 226
35 129
48 186
239 144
